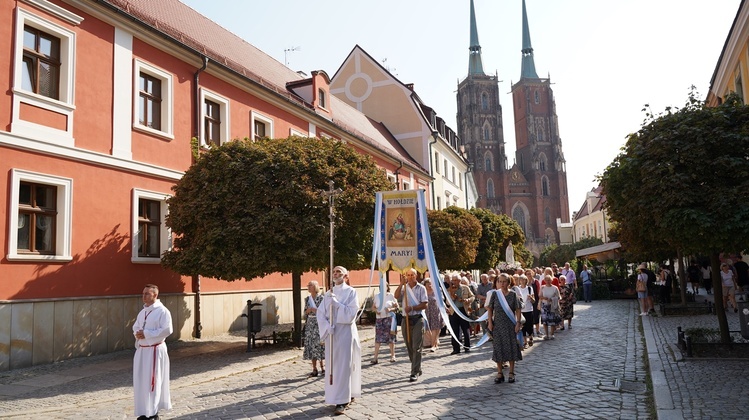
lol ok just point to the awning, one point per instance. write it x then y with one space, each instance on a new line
601 253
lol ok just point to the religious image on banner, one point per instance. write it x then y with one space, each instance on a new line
401 243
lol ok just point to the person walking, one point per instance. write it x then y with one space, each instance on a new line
642 290
313 348
728 281
548 299
385 327
504 324
434 319
587 278
415 301
336 318
151 362
462 297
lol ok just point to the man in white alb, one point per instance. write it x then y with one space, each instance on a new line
151 362
336 318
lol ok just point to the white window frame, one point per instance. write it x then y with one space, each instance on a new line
292 132
165 234
256 116
63 232
66 104
406 186
167 99
225 123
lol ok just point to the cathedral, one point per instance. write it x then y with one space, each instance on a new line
533 190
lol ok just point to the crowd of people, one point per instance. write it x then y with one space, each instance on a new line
517 305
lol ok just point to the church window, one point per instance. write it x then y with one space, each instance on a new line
484 102
488 161
489 188
542 162
535 97
519 216
486 133
545 186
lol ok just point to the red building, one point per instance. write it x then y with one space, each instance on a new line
101 102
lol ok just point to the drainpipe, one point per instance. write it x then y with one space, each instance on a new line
397 173
196 111
435 135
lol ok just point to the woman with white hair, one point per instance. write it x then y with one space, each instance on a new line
313 348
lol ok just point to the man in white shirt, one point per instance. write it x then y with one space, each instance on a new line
414 296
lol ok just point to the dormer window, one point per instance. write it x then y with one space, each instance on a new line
321 99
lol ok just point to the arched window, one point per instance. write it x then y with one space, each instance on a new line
542 162
535 97
484 101
486 133
489 188
545 186
519 216
488 158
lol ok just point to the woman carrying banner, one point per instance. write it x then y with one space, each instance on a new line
504 324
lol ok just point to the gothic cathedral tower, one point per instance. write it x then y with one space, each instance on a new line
479 123
534 190
538 180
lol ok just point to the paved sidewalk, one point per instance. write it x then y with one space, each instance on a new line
594 370
694 388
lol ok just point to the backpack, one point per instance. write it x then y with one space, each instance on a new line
651 277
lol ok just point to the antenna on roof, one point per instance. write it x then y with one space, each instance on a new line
287 51
388 68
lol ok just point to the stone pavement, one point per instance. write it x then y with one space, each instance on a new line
694 388
595 370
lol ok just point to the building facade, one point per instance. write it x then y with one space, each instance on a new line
364 84
103 98
591 221
732 69
533 191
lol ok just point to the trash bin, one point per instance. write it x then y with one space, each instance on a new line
254 322
256 318
742 300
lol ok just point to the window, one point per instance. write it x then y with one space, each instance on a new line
40 210
536 99
42 70
149 224
545 186
406 186
41 63
321 100
486 133
489 188
542 162
436 162
154 100
444 162
391 178
215 130
484 102
488 161
37 213
460 181
439 204
519 216
453 175
262 126
149 105
212 120
151 238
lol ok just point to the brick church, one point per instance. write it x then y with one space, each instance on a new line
533 190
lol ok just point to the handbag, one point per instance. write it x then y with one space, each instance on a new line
573 296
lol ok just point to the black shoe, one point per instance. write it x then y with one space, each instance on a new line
455 352
467 351
339 409
143 417
412 378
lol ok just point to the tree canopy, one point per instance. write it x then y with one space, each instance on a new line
248 209
455 237
683 181
561 254
497 230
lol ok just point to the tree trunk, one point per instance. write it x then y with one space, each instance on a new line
296 298
725 336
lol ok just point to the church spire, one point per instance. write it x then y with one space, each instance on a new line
528 69
474 57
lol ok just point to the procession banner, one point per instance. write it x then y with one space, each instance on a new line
401 238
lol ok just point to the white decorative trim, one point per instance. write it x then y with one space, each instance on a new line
63 233
312 130
56 10
165 234
293 132
254 115
225 123
122 101
167 99
41 145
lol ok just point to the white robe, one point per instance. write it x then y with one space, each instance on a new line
156 323
346 349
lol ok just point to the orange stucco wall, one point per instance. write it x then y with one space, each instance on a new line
6 34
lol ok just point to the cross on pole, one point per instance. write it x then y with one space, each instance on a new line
331 193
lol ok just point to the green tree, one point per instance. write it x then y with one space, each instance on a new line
497 230
248 209
683 179
561 254
455 237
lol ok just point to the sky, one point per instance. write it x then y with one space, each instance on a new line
606 59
